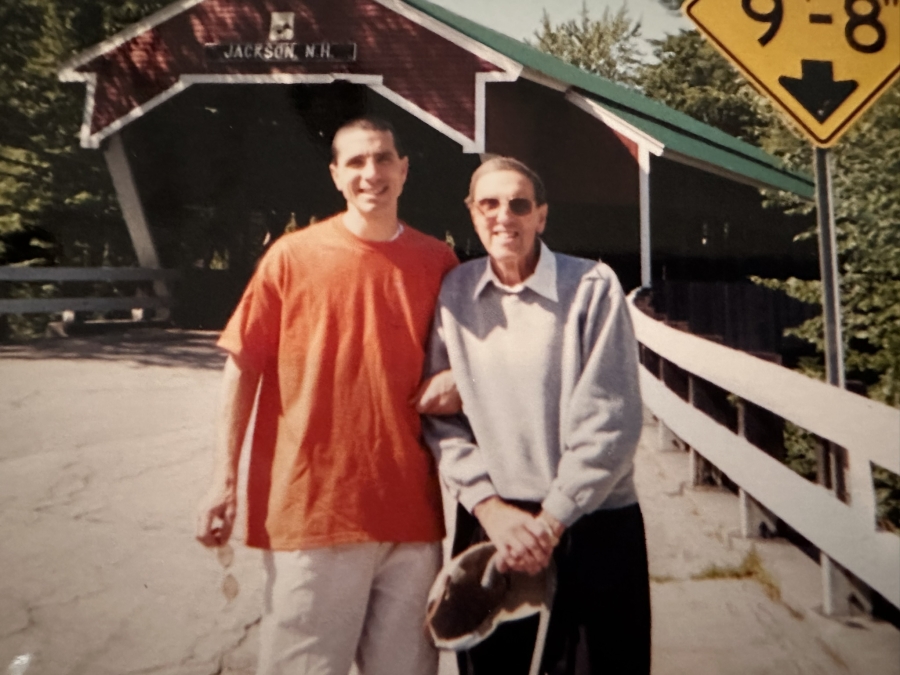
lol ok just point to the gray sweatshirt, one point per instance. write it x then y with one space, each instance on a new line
547 372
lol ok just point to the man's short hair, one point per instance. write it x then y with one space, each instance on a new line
368 123
508 164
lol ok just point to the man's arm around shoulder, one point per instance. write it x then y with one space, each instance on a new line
217 510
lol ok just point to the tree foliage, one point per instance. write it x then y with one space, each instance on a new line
609 46
691 76
865 166
56 199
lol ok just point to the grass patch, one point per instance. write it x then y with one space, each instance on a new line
751 567
662 578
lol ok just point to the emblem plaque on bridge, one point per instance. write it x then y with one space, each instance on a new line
823 62
282 27
280 47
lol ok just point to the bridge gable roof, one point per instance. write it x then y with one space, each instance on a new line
397 41
679 134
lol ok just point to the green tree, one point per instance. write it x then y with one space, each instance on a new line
56 199
20 31
865 166
691 76
609 46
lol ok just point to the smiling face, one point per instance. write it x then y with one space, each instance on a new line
498 213
368 171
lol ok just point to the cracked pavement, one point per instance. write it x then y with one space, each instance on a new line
104 451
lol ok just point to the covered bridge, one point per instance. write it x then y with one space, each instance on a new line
215 117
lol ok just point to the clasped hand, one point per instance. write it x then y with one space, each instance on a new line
525 542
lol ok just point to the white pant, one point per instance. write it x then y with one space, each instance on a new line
326 607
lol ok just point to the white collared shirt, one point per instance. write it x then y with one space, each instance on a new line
542 281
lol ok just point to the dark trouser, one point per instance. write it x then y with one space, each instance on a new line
600 622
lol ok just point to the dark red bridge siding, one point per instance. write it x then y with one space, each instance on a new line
426 69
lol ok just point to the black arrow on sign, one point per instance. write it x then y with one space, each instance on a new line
816 90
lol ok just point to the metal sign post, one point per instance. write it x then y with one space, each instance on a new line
831 295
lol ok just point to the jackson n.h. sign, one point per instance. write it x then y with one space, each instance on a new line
281 52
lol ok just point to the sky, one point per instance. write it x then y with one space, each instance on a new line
520 18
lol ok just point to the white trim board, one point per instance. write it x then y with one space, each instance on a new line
717 170
89 140
429 119
127 34
656 147
375 82
616 123
452 35
57 305
644 207
545 80
63 274
279 78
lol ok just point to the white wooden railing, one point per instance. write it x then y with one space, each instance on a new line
59 275
841 526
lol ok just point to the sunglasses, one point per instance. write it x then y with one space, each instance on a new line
518 206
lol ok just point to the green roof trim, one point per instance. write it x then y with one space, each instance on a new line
677 131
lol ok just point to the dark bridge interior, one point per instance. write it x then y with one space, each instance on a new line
222 170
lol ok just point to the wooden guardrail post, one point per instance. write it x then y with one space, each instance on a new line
700 471
756 520
765 430
831 464
840 591
698 468
675 379
666 440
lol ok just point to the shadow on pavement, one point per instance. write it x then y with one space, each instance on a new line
143 346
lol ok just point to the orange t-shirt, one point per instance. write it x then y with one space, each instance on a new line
337 326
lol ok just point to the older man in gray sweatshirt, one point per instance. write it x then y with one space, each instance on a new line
543 354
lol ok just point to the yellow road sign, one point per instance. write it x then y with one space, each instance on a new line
823 62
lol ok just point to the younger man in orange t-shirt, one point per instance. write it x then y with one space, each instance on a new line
341 495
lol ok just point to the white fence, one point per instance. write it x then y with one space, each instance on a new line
59 275
843 529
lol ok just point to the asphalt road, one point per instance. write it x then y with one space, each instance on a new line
104 452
